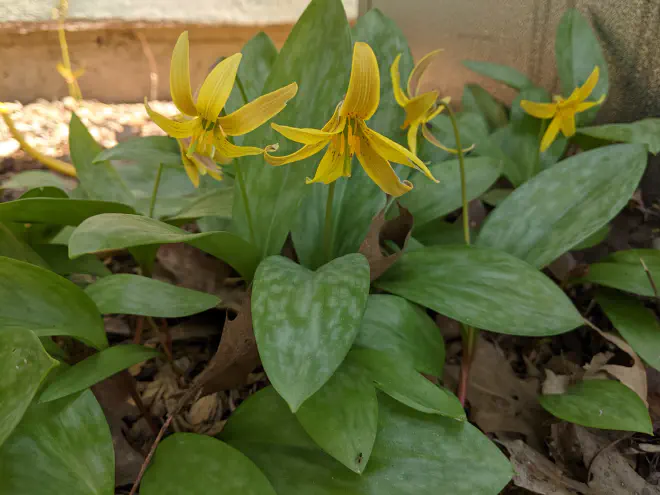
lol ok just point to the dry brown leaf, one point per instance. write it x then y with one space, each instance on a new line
397 230
538 474
191 268
203 410
555 384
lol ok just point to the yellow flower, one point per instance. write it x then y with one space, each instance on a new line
420 109
201 119
196 164
563 111
347 134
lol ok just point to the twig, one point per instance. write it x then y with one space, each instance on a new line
147 460
132 388
139 327
153 66
651 281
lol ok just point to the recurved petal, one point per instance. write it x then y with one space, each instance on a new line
304 152
331 167
393 152
174 128
419 70
189 167
216 88
412 137
180 77
551 133
308 135
253 114
581 107
399 95
568 124
420 106
584 91
380 171
430 137
228 150
441 108
539 110
363 94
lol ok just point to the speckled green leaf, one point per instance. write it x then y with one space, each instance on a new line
564 204
305 322
645 131
12 245
23 365
62 447
399 380
152 150
414 453
623 270
403 330
136 295
635 322
342 417
502 73
484 288
428 200
36 299
57 211
217 203
196 464
94 369
605 404
478 100
275 193
115 231
594 239
57 258
577 53
36 178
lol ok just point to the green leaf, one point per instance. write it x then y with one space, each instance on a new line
57 211
577 53
604 404
217 203
57 258
484 288
115 231
218 467
95 369
36 178
401 382
502 73
56 306
150 150
59 447
136 295
635 322
476 99
440 233
99 181
495 196
275 193
414 453
13 247
623 270
44 192
574 199
428 200
594 239
395 326
342 417
646 132
305 322
23 365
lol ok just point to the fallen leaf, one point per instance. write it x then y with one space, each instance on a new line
536 473
396 230
191 268
555 384
203 410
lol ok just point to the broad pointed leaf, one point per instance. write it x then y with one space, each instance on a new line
477 100
152 150
564 204
624 270
36 178
645 131
57 211
502 73
217 203
13 246
484 288
305 322
57 257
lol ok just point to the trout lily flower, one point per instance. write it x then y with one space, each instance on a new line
201 121
347 134
420 108
562 111
196 164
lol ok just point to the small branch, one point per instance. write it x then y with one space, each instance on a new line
147 460
132 388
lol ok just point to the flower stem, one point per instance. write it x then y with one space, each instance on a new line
328 227
246 202
154 193
470 334
537 162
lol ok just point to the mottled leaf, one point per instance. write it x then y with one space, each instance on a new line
36 178
57 258
217 203
57 211
502 73
645 131
624 270
478 100
151 150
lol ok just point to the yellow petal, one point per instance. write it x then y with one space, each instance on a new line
438 110
253 114
190 167
412 137
363 94
539 110
585 90
331 167
568 124
418 107
428 135
393 152
174 128
216 88
307 135
180 77
304 152
380 171
581 107
551 133
228 150
399 95
418 72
